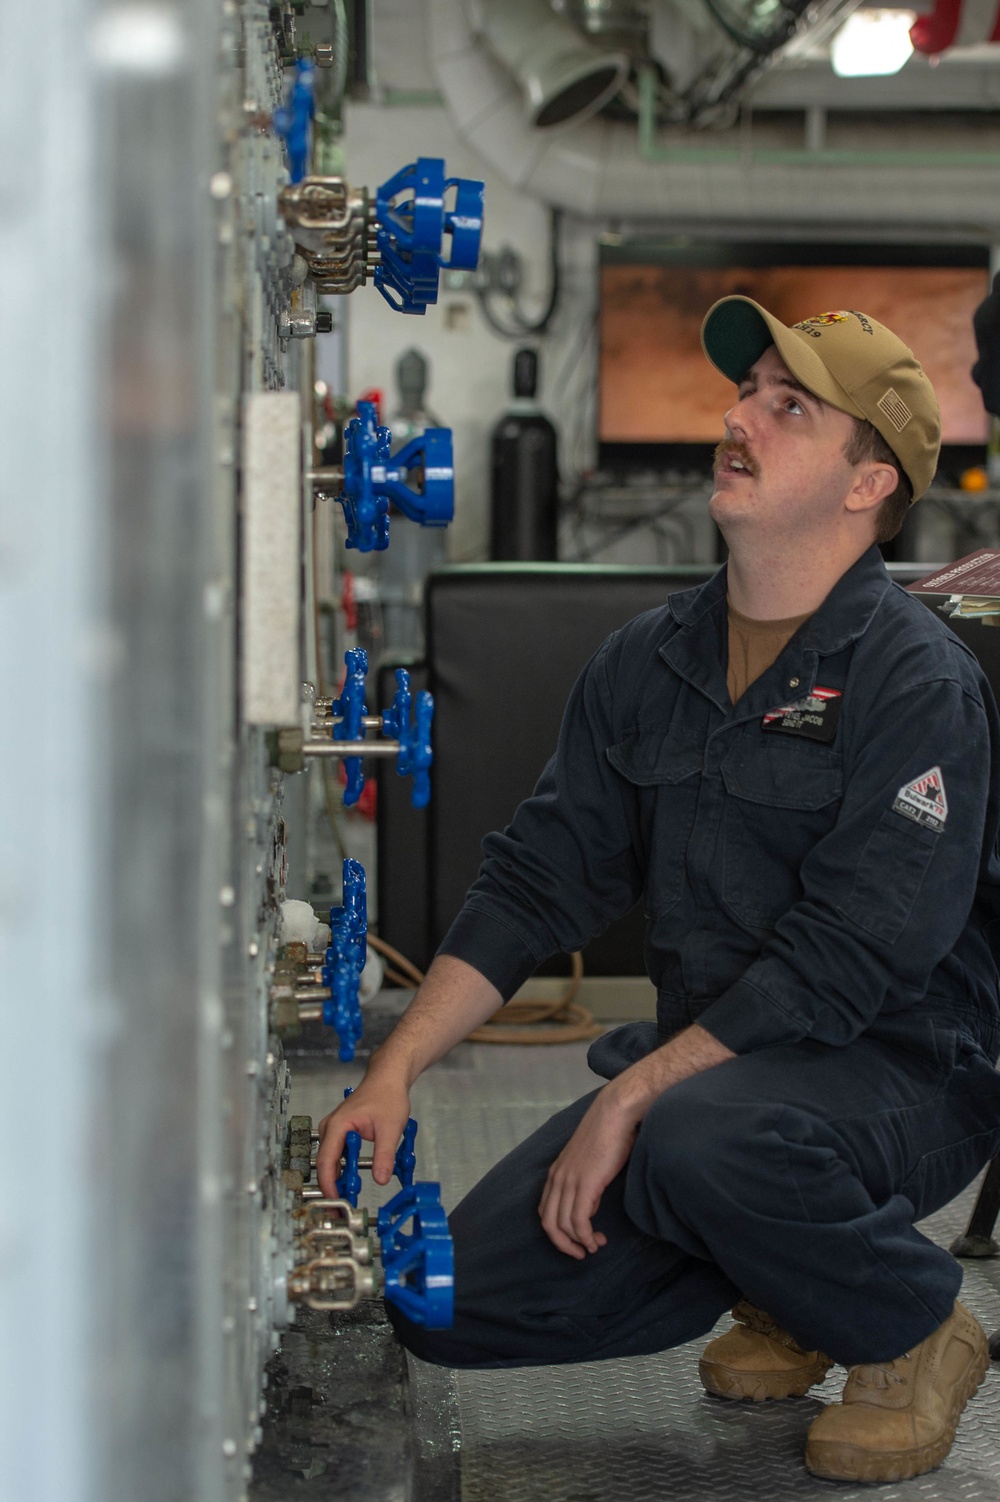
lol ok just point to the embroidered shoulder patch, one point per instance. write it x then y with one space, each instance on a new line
924 800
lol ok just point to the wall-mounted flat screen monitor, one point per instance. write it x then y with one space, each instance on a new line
655 384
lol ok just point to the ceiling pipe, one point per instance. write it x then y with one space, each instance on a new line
565 78
597 170
801 156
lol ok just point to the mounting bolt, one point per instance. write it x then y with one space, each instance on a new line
285 749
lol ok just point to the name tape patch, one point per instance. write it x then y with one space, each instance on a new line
814 717
924 800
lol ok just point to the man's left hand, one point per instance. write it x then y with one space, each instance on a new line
601 1144
596 1152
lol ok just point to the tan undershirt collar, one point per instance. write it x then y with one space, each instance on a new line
754 646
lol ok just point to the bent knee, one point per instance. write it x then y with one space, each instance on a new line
692 1133
440 1347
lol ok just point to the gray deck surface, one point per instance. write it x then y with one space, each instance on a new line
641 1429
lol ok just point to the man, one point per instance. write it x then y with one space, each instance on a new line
986 326
795 767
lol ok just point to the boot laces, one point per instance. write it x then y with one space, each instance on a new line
880 1375
756 1319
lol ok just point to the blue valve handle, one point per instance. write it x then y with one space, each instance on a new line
349 1182
397 716
345 959
404 1165
430 454
418 1265
293 121
417 222
465 222
410 235
349 709
416 753
407 720
366 505
412 223
372 479
405 1162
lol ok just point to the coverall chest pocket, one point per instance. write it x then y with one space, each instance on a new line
781 797
666 768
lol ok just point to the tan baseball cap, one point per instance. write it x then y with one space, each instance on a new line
846 359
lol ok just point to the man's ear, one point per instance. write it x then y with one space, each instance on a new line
873 482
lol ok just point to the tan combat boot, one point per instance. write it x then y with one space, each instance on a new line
757 1360
898 1418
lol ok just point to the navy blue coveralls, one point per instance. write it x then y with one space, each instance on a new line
821 886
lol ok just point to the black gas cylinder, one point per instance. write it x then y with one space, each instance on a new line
525 488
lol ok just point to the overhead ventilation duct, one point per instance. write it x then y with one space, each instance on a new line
597 169
563 77
614 23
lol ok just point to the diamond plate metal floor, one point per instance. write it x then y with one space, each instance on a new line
640 1430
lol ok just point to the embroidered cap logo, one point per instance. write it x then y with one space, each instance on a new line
895 409
820 320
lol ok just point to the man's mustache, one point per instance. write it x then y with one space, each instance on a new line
730 449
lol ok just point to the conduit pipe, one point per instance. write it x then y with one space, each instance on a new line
603 169
790 157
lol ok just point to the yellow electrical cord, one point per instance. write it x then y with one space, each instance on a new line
518 1021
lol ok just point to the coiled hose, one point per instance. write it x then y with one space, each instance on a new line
518 1021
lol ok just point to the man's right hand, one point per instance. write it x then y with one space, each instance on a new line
453 1000
378 1109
